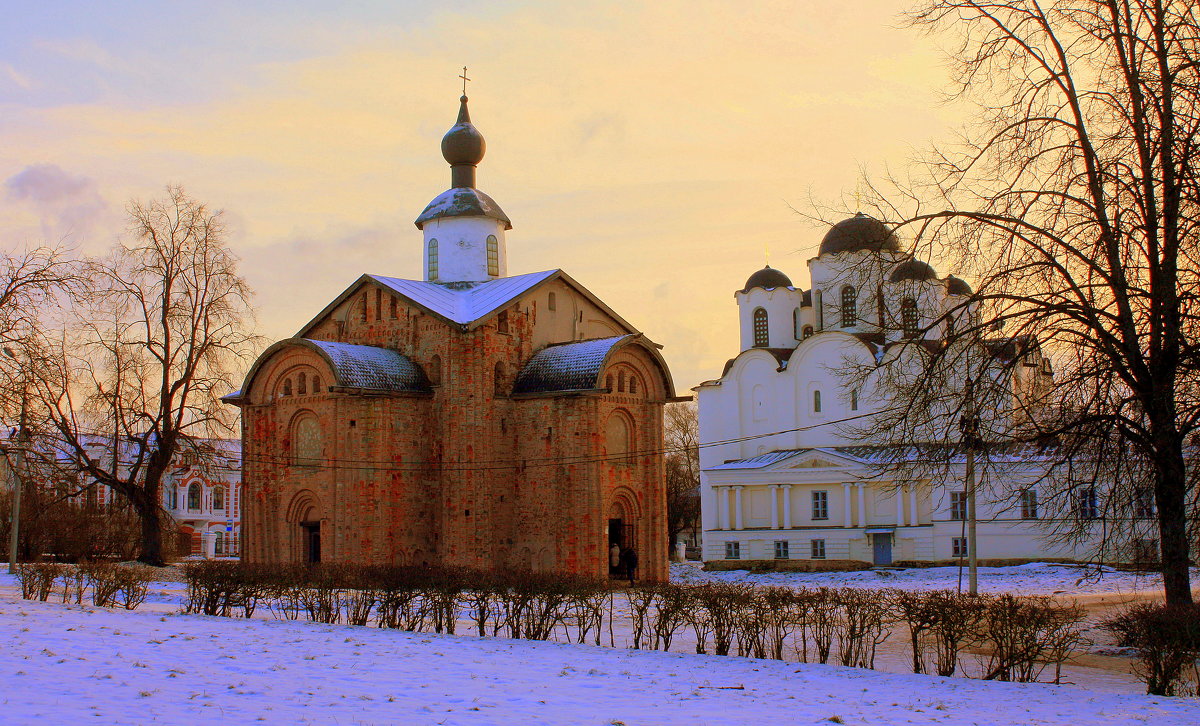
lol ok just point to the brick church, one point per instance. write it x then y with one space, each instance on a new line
471 418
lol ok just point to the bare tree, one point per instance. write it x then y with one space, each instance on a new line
682 439
141 370
1074 203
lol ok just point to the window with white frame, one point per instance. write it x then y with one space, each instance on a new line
1029 504
781 549
959 547
817 549
820 505
958 505
849 307
733 550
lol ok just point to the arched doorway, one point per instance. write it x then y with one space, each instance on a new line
622 534
304 524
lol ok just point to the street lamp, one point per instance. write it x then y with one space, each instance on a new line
19 467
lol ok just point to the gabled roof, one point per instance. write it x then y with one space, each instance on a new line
467 304
770 458
359 368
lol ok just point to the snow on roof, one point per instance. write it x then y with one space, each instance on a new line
758 462
462 202
875 455
464 302
371 368
566 366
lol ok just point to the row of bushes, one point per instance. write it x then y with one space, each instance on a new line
1016 636
1167 639
110 585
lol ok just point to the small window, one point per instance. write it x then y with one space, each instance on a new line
435 370
796 322
761 335
287 387
394 308
958 505
733 550
633 384
817 549
808 332
432 260
621 382
781 549
959 547
853 399
493 256
1143 504
816 402
1029 504
1086 504
552 302
910 320
378 304
849 307
193 497
301 384
820 505
316 384
362 313
218 497
502 322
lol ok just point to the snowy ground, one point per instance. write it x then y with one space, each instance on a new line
65 664
155 665
1038 578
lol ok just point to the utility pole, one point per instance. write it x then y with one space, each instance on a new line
969 424
19 468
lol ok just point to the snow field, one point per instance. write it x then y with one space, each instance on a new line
69 663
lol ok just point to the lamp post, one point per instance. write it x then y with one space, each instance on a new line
19 467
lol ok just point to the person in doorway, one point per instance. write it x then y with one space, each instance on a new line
629 563
614 559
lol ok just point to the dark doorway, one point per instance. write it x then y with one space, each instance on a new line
883 548
311 541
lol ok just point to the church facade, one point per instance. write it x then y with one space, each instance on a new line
470 418
791 475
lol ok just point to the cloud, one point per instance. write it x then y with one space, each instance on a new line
68 206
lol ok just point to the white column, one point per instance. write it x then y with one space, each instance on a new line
900 506
787 505
774 494
846 504
862 505
737 507
722 497
912 506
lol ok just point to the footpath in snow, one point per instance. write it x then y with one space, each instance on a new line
72 664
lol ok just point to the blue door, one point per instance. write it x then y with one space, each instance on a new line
883 549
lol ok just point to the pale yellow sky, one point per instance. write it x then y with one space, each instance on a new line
652 151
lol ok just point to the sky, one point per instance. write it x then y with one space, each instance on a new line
659 152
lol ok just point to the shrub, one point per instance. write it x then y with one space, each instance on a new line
1167 638
37 579
1023 634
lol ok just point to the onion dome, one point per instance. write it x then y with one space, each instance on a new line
859 233
913 269
463 149
463 145
957 286
767 278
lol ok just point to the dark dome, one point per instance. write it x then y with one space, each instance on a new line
912 269
859 232
463 144
767 278
957 286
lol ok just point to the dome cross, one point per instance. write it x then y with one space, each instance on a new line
464 80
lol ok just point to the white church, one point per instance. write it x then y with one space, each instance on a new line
793 480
